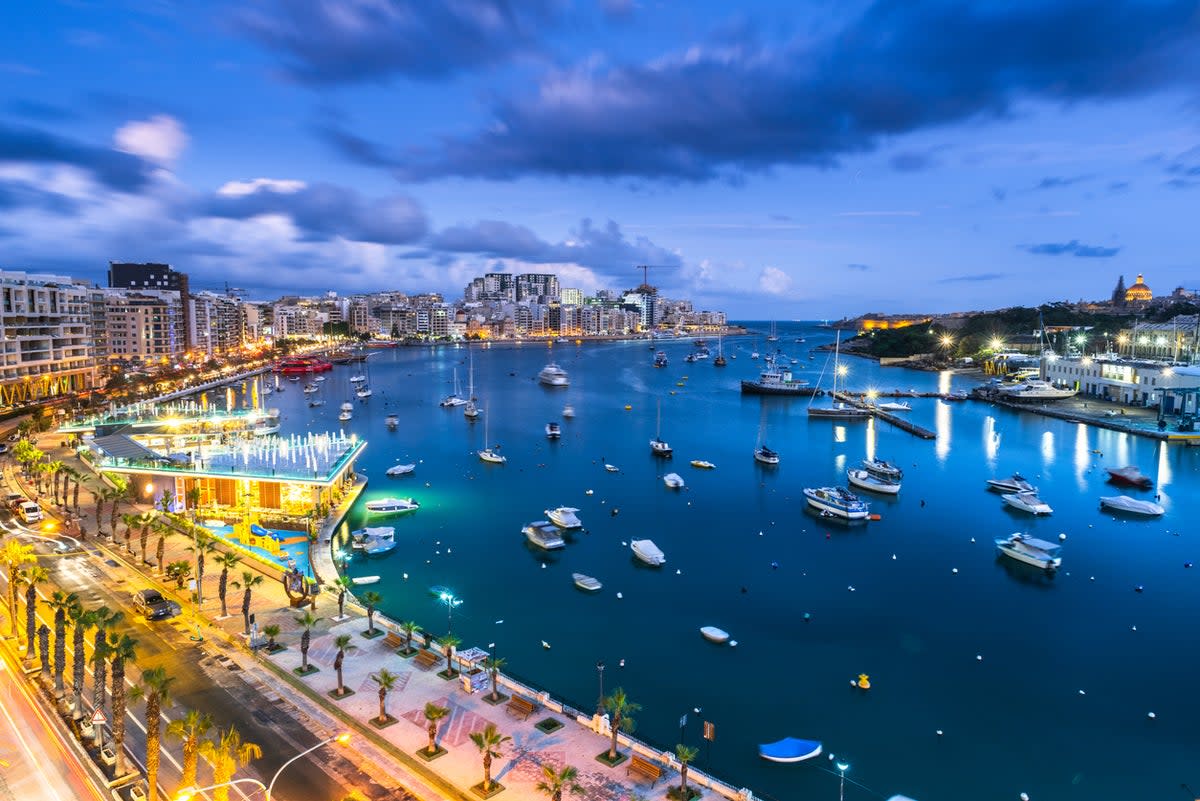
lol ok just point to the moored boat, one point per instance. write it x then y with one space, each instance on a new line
714 634
790 749
553 430
401 469
648 552
553 376
1129 476
1016 483
568 411
837 501
388 506
673 480
865 480
544 534
1123 503
392 420
564 517
379 547
765 455
703 464
1027 502
893 406
361 580
777 381
1031 551
586 583
345 415
883 469
612 468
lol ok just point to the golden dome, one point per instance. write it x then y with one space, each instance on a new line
1139 291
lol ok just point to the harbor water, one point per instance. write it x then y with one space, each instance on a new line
988 678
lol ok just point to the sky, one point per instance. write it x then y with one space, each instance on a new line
776 160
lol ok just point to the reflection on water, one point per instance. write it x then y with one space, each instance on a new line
1122 451
944 382
839 433
991 441
839 464
942 428
871 436
1048 448
1164 467
1083 456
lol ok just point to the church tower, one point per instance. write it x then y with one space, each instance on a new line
1118 295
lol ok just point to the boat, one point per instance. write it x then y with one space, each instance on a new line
453 399
658 445
586 583
471 409
362 536
754 353
720 360
544 534
1016 483
882 469
378 547
777 381
714 634
318 378
347 407
660 359
311 388
1024 548
1027 502
612 468
361 580
774 335
363 392
489 454
1129 476
702 464
568 411
401 469
387 506
344 415
357 379
564 517
553 431
837 501
553 376
392 421
865 479
790 749
893 406
673 480
837 410
1123 503
648 552
213 522
315 402
764 455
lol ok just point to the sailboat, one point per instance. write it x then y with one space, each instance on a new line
773 336
837 410
490 454
720 360
455 399
763 454
472 410
659 446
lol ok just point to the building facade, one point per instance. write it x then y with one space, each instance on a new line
145 326
45 337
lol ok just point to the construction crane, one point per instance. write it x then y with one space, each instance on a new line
646 268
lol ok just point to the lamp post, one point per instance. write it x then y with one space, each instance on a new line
600 699
451 602
842 768
188 793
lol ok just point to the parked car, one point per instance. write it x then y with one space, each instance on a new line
152 604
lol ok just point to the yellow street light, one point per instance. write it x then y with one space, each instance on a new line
997 343
947 340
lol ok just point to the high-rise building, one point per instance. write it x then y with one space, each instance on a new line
536 287
571 296
152 275
45 337
145 326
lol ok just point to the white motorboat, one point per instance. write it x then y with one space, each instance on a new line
315 402
544 534
454 399
837 501
764 455
357 379
1024 548
673 480
318 378
310 389
401 469
648 552
892 406
379 547
612 468
553 431
1027 502
553 376
392 506
362 536
345 415
363 392
586 583
865 480
1015 484
568 411
347 407
361 580
703 464
885 470
564 517
714 634
392 421
1035 390
1123 503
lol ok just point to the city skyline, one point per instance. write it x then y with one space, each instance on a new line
774 163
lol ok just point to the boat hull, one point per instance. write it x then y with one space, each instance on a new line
757 388
1004 548
871 483
830 506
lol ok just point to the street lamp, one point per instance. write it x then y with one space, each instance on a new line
188 793
451 602
600 700
842 768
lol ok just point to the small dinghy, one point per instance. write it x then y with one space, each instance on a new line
703 464
612 468
714 634
401 469
364 580
586 583
673 480
790 749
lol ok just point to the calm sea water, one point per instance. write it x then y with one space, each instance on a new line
1057 706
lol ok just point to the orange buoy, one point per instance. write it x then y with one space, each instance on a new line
628 407
864 681
876 517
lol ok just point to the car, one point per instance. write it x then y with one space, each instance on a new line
152 604
3 448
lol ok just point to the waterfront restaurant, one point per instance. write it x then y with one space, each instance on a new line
1174 389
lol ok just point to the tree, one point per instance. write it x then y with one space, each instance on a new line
121 648
621 711
178 571
145 522
164 529
226 752
105 619
686 755
62 603
409 628
247 584
156 689
555 782
343 584
189 730
371 599
14 555
307 621
493 664
386 681
344 643
203 545
433 713
130 521
226 561
43 637
449 643
272 631
53 469
488 742
31 577
81 620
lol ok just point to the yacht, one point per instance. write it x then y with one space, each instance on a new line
357 379
345 415
568 412
471 410
894 406
553 376
453 399
401 470
361 537
658 445
553 431
363 392
1123 503
544 535
1129 476
310 389
837 501
392 506
886 470
347 406
564 517
586 583
764 455
318 378
392 421
703 464
1024 548
867 480
837 410
1016 483
648 552
379 548
1027 502
1035 390
660 359
777 381
612 468
489 454
315 402
673 480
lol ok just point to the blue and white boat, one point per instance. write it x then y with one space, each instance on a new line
837 501
790 749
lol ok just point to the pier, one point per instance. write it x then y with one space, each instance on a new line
897 421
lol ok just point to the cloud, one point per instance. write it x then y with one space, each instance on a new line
738 104
345 41
914 161
774 281
1072 248
977 277
160 139
124 172
16 194
859 267
40 111
1184 169
1058 181
884 213
617 9
281 186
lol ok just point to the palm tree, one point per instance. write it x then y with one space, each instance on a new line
164 529
79 479
14 555
488 742
493 664
433 713
145 522
226 752
119 490
409 628
121 648
386 681
204 545
31 577
344 643
81 620
685 754
343 584
53 468
108 495
554 782
308 621
371 599
449 643
178 571
131 521
190 730
272 631
62 603
43 636
226 561
621 710
156 689
105 619
249 582
71 474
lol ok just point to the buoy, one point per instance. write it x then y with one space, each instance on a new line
621 663
1062 537
972 539
1138 588
1151 715
1187 564
1133 628
864 681
939 732
875 517
678 572
733 643
851 588
587 492
807 616
954 570
774 565
1081 692
543 565
1024 796
893 557
628 407
978 657
405 576
619 595
545 645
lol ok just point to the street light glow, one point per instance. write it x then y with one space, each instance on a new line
997 343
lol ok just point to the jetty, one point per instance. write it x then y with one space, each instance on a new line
896 420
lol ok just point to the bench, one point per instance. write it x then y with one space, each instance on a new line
644 767
393 640
426 659
520 706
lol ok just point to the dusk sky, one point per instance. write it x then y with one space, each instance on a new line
776 160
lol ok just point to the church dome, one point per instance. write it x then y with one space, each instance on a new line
1139 291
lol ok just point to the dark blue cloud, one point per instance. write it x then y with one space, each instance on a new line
1060 181
346 41
15 195
42 112
977 277
1072 248
1184 170
860 267
116 170
740 104
914 161
323 211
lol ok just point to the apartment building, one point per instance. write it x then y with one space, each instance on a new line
145 326
45 337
